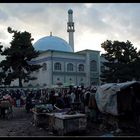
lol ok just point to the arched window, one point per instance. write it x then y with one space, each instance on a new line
81 67
44 84
57 66
69 67
93 65
44 66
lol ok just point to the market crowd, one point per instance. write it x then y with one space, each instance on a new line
79 98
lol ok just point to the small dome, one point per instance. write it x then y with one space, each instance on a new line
52 43
70 11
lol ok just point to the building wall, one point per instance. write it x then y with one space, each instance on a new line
102 67
92 77
50 76
95 75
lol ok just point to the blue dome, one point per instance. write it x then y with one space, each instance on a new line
52 43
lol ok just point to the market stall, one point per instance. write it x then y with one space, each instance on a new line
63 120
119 103
41 114
116 98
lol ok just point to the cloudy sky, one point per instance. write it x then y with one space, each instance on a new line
94 22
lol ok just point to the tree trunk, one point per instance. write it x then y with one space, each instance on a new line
20 82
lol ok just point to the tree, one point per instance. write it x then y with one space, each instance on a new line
18 56
121 61
2 73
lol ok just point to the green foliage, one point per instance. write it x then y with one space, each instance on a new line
1 46
18 56
2 73
122 61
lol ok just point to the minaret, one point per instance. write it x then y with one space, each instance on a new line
70 28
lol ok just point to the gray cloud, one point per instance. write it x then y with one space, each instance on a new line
3 15
3 35
118 21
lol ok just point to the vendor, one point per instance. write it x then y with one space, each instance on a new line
59 102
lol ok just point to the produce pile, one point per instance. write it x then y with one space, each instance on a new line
44 108
48 108
71 112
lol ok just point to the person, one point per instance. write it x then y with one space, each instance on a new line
43 98
135 109
4 105
18 98
66 99
86 101
73 96
92 106
59 101
28 105
13 96
82 100
52 98
9 98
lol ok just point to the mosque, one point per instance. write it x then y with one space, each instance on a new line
61 65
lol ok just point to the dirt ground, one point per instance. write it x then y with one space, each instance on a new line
21 125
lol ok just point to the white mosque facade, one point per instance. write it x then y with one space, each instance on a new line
61 65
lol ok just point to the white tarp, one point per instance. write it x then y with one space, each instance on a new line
106 96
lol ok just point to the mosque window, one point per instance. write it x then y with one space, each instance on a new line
44 66
44 84
57 66
81 67
93 65
69 67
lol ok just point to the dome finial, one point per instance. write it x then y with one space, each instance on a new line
70 11
50 33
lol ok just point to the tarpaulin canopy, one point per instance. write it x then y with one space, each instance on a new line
106 96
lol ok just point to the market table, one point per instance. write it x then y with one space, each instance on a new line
64 123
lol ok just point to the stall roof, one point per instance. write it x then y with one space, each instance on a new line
119 86
106 96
